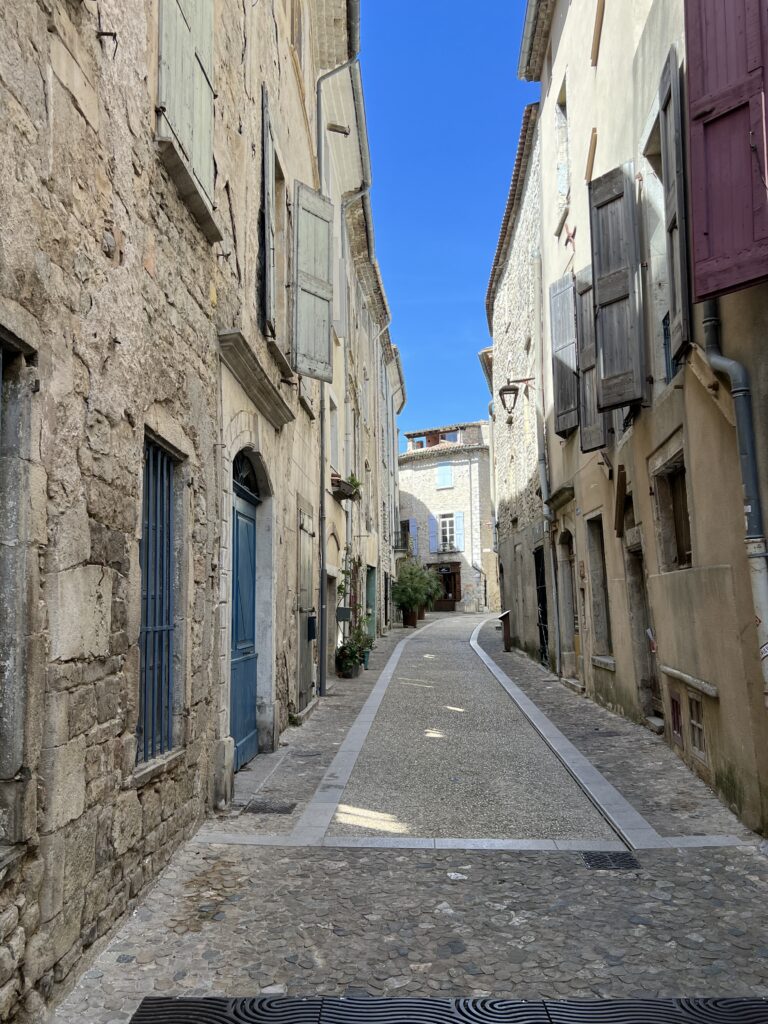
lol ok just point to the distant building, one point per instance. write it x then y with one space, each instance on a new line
446 513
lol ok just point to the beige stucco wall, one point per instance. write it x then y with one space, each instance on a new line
420 498
696 614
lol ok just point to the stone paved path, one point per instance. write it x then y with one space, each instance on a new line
234 917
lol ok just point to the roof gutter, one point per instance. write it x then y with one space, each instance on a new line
529 30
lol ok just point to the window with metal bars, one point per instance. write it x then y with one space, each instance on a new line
155 727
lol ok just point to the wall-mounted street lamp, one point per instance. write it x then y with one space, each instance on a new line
509 393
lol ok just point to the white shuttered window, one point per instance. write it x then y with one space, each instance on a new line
313 284
185 104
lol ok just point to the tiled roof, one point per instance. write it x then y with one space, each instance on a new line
536 29
441 450
445 430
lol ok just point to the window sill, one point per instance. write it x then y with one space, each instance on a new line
189 190
283 363
604 661
147 772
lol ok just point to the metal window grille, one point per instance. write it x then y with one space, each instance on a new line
155 728
671 364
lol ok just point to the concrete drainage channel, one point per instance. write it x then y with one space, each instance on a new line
633 831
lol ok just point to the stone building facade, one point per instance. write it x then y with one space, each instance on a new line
159 451
446 513
654 605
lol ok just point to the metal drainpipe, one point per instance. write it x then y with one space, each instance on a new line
543 475
323 619
757 552
344 207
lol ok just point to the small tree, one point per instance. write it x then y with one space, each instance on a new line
411 588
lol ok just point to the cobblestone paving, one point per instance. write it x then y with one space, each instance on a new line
450 755
243 919
293 773
639 763
237 920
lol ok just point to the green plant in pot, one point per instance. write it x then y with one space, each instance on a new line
434 587
410 591
355 650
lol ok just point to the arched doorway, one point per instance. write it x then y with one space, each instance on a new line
246 499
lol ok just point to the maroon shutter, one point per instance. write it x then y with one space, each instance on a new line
562 314
726 97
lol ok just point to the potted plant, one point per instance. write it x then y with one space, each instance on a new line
348 660
362 638
434 588
409 591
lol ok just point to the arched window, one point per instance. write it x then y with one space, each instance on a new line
244 478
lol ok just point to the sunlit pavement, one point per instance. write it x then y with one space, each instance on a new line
382 851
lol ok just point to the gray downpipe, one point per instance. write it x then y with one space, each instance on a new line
323 617
757 552
543 475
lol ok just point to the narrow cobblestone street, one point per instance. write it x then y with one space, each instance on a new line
417 836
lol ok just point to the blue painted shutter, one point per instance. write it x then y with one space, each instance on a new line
445 476
458 526
433 534
313 284
413 527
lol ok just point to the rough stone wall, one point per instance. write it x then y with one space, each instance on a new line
470 494
107 277
515 331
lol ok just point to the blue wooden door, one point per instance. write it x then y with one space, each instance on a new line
244 656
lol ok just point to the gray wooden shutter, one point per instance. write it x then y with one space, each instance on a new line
201 15
313 284
562 314
186 85
618 297
176 59
593 425
268 170
673 170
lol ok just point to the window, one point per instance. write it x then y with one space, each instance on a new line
275 261
601 615
677 719
333 415
671 364
158 574
450 436
444 477
297 29
674 525
696 723
447 532
563 159
185 105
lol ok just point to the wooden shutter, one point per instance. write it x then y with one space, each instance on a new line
268 171
313 284
432 534
185 93
593 424
673 170
618 296
201 14
562 314
726 96
458 530
176 59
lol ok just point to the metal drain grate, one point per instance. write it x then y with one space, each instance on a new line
622 861
269 807
264 1010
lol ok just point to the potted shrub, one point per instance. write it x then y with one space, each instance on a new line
362 639
409 591
348 660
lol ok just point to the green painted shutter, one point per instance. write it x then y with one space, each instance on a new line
313 284
268 166
176 60
202 127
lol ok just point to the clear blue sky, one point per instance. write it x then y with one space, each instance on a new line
444 109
